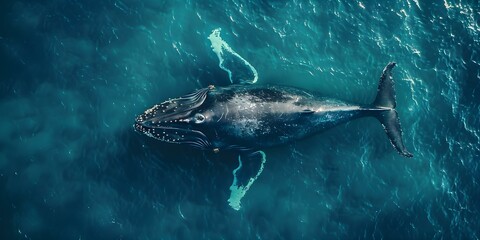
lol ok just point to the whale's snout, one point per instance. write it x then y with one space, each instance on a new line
179 133
139 127
175 121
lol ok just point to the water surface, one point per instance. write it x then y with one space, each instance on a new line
75 73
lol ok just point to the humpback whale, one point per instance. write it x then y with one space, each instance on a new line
246 118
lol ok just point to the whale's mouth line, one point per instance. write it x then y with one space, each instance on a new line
175 134
149 128
159 121
152 129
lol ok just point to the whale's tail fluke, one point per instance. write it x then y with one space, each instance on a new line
388 117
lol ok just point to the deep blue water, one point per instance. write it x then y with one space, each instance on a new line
74 74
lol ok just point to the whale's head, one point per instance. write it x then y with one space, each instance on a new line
176 121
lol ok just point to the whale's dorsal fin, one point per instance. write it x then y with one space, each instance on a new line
250 166
239 70
307 111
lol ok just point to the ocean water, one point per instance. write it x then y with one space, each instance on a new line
74 74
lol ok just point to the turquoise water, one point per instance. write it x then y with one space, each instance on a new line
74 74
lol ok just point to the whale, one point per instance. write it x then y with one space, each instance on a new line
247 118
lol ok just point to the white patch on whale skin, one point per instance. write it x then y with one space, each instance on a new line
219 46
246 123
248 127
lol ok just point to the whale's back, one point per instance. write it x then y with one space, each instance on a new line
270 115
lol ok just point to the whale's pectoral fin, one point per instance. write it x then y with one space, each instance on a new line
239 70
249 168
